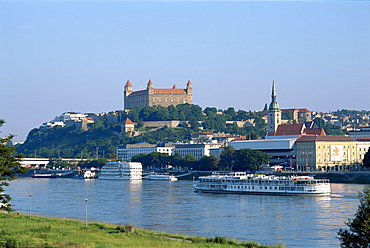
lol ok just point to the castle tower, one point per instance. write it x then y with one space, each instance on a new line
189 88
149 87
274 112
127 90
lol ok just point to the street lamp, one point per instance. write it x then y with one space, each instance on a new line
86 212
30 195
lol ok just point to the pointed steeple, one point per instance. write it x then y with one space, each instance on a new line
274 112
174 86
274 106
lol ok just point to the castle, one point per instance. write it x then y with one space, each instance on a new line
156 97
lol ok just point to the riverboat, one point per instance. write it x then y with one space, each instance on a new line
88 174
243 183
161 177
121 171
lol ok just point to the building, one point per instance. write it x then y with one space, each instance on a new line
273 113
326 153
198 150
363 145
286 131
363 133
299 115
126 152
128 126
281 151
156 97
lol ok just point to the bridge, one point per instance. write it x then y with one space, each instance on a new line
37 162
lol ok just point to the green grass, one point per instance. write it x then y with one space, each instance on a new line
18 230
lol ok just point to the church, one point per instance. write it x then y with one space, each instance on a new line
156 97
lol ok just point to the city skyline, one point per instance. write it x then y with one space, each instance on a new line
63 56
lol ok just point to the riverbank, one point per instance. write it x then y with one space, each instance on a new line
19 230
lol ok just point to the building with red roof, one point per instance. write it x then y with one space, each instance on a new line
156 97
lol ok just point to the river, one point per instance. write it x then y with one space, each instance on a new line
296 221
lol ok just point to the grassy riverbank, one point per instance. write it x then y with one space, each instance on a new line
18 230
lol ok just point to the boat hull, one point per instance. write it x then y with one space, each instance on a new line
241 183
258 192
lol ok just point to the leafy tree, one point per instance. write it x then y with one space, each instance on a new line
248 159
9 167
366 161
210 111
320 123
331 129
358 235
190 161
152 160
227 158
287 115
208 163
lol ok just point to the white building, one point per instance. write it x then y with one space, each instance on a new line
281 151
126 153
197 150
364 133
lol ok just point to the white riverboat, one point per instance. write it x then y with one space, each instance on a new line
121 171
243 183
161 177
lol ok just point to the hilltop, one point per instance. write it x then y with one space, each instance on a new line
91 135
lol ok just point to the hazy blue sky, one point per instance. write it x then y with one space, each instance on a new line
62 56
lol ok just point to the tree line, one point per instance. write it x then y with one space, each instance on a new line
230 160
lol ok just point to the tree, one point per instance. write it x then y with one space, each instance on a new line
227 158
248 159
9 167
208 163
366 161
358 235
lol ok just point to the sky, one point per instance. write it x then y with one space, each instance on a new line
60 56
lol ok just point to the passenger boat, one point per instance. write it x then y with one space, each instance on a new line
243 183
121 171
88 174
162 177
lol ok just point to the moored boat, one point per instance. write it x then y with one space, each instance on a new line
243 183
121 171
162 177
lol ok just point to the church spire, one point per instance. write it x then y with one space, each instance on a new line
274 106
274 112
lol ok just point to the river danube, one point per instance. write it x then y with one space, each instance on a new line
296 221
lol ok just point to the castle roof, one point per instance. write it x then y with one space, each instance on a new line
169 91
128 83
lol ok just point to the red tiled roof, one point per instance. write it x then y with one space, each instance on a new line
128 121
315 131
325 138
289 129
128 83
169 91
296 109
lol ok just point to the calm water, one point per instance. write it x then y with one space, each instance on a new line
297 221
